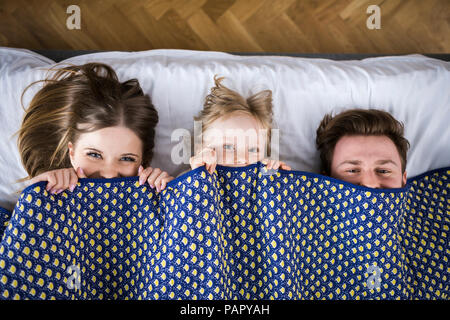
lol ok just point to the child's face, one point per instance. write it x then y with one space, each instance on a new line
107 153
371 161
238 139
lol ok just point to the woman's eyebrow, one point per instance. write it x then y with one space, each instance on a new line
130 154
93 149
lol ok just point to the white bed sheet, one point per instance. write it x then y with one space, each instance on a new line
414 88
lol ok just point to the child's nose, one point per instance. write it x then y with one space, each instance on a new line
241 157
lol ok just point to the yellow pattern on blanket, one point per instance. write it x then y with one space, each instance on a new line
240 233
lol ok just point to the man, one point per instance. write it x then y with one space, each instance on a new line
363 147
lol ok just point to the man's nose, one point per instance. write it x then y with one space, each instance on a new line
369 180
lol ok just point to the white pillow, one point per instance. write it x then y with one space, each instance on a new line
414 88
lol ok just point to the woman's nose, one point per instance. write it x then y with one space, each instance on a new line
109 173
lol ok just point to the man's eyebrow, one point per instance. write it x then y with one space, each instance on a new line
354 162
381 162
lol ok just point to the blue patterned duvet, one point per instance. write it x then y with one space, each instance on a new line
241 233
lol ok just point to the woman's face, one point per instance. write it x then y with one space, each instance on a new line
238 139
107 153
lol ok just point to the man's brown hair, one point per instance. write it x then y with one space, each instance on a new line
353 122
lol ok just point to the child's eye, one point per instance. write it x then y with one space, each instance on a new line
94 155
255 149
229 147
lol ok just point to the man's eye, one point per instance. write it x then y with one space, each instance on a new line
94 155
352 170
229 147
383 171
128 159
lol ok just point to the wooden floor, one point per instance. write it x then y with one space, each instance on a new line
289 26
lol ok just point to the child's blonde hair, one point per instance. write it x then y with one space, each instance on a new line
222 102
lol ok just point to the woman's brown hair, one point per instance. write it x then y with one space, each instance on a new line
76 100
358 122
223 101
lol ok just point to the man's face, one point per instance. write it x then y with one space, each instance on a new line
371 161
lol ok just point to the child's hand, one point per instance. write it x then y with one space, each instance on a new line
60 179
206 157
155 177
275 164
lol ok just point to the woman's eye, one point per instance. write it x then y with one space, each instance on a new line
130 159
253 150
352 170
94 155
228 147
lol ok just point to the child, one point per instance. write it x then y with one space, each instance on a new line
85 123
235 130
363 147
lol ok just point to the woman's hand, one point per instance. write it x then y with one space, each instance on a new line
155 177
206 157
275 164
60 179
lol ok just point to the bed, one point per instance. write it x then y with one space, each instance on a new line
414 88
